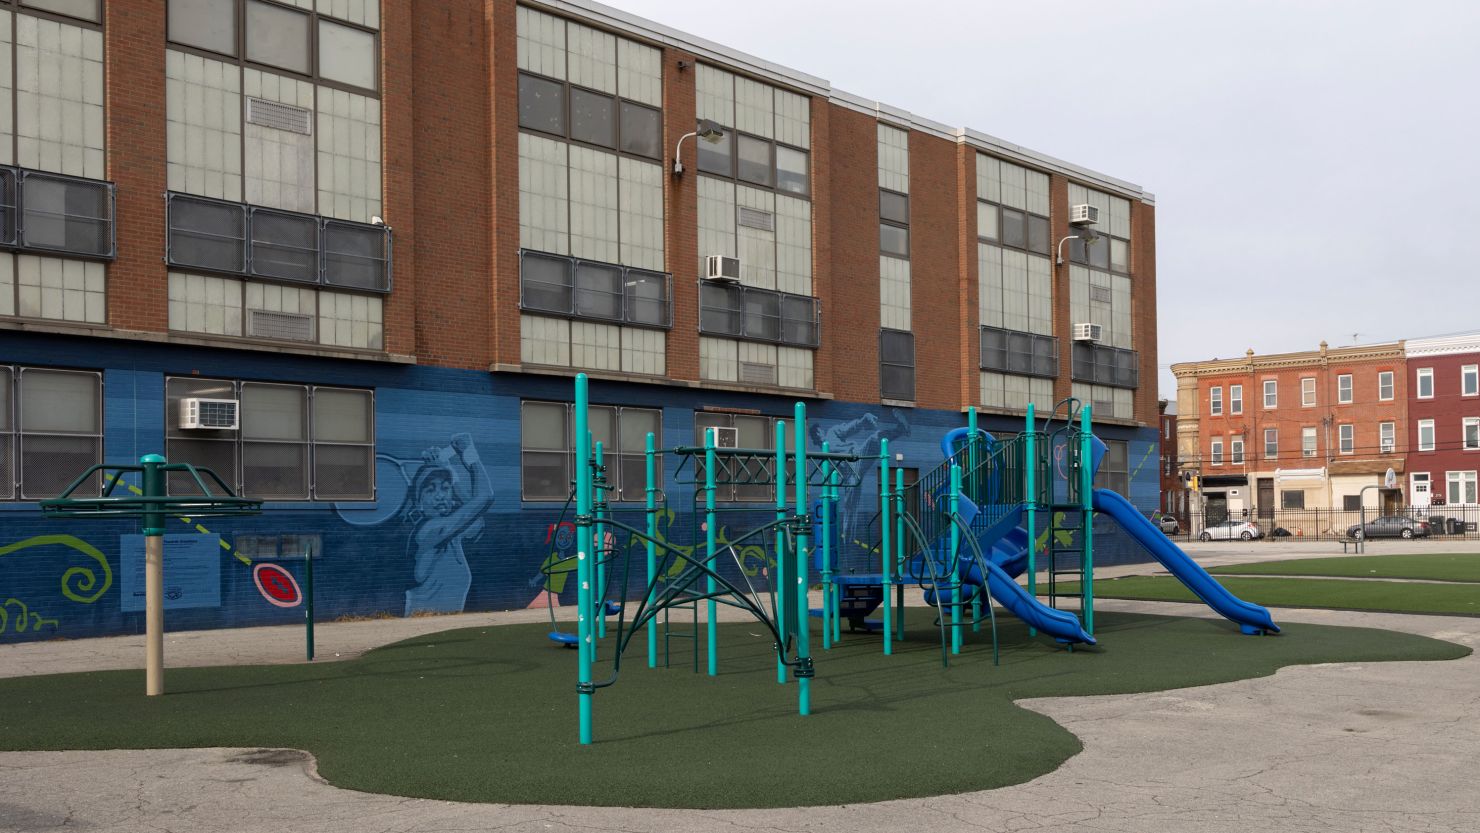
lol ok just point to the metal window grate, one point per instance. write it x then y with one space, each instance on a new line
285 326
756 219
755 373
1099 294
266 113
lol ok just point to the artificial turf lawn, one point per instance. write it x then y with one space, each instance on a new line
1427 566
1383 596
489 714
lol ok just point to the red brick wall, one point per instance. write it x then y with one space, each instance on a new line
824 365
1058 223
681 221
398 160
1143 307
851 316
1448 410
133 54
968 293
935 270
503 206
452 201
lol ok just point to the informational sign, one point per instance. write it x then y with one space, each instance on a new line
192 571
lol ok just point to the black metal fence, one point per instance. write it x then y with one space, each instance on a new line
1444 522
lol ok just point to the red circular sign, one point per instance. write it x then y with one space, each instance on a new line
277 585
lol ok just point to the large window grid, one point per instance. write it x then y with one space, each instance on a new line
894 224
280 38
1101 365
51 431
72 11
1114 473
897 365
1014 228
54 214
753 314
756 160
217 236
753 432
573 287
589 117
294 442
1023 354
547 449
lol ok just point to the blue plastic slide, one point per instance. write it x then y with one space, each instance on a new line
1250 618
1059 624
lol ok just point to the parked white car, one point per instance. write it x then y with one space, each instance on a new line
1229 530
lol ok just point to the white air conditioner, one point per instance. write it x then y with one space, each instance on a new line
1083 215
1088 332
209 414
721 436
722 269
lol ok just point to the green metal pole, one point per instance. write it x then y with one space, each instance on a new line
583 559
900 548
652 548
827 555
711 608
1086 498
804 652
956 578
779 583
154 487
886 553
1030 455
308 608
834 478
974 475
599 545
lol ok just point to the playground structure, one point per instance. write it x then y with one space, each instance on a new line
962 533
152 504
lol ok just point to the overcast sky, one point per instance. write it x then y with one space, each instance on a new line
1314 162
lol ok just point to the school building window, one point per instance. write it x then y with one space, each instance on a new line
50 431
341 52
897 364
1114 473
547 449
751 431
288 442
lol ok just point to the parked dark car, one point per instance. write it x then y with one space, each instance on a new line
1390 526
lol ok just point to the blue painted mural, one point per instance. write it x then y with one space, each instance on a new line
448 530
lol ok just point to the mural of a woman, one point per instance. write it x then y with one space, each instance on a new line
448 507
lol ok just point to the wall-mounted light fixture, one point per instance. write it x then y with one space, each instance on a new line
708 130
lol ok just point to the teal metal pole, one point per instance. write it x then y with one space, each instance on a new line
779 577
974 475
834 478
711 608
1086 498
598 535
804 652
827 556
583 559
899 544
1030 456
154 487
956 578
652 548
308 602
886 552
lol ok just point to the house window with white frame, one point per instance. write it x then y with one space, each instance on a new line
1347 436
1271 443
1462 487
1308 392
1236 449
1215 401
1308 442
1217 453
1425 383
1469 380
1472 433
1235 399
1271 393
1387 437
1344 389
1426 435
1385 386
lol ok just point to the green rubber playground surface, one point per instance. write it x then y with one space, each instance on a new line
1451 599
490 714
1426 566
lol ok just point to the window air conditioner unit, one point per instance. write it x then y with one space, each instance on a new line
1083 215
722 269
209 414
1088 332
722 436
